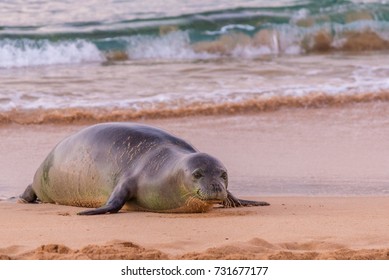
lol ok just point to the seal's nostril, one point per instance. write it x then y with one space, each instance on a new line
216 187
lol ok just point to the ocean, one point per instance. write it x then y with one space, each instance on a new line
109 60
64 61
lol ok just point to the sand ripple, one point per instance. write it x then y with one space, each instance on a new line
256 249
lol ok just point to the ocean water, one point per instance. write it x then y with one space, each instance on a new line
64 61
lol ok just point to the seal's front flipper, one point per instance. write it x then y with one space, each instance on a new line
232 201
121 194
102 210
28 196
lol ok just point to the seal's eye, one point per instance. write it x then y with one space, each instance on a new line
224 176
197 174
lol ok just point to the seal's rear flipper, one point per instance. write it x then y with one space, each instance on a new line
232 201
121 194
28 196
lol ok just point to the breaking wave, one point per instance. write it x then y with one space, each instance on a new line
27 52
247 32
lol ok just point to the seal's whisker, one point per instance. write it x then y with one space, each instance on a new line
187 194
189 201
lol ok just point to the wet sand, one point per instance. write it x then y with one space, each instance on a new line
324 171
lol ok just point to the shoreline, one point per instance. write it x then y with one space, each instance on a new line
177 109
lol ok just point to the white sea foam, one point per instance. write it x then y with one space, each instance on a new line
227 28
172 46
25 52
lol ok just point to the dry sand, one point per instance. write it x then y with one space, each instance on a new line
279 150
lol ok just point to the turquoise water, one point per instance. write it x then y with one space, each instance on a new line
55 32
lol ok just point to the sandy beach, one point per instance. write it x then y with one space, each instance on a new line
291 228
271 156
291 97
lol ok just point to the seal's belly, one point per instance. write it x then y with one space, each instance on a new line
76 183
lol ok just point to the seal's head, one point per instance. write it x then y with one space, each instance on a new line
207 176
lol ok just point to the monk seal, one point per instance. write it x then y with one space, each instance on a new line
111 165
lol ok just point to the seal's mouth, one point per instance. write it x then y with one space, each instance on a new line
210 197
